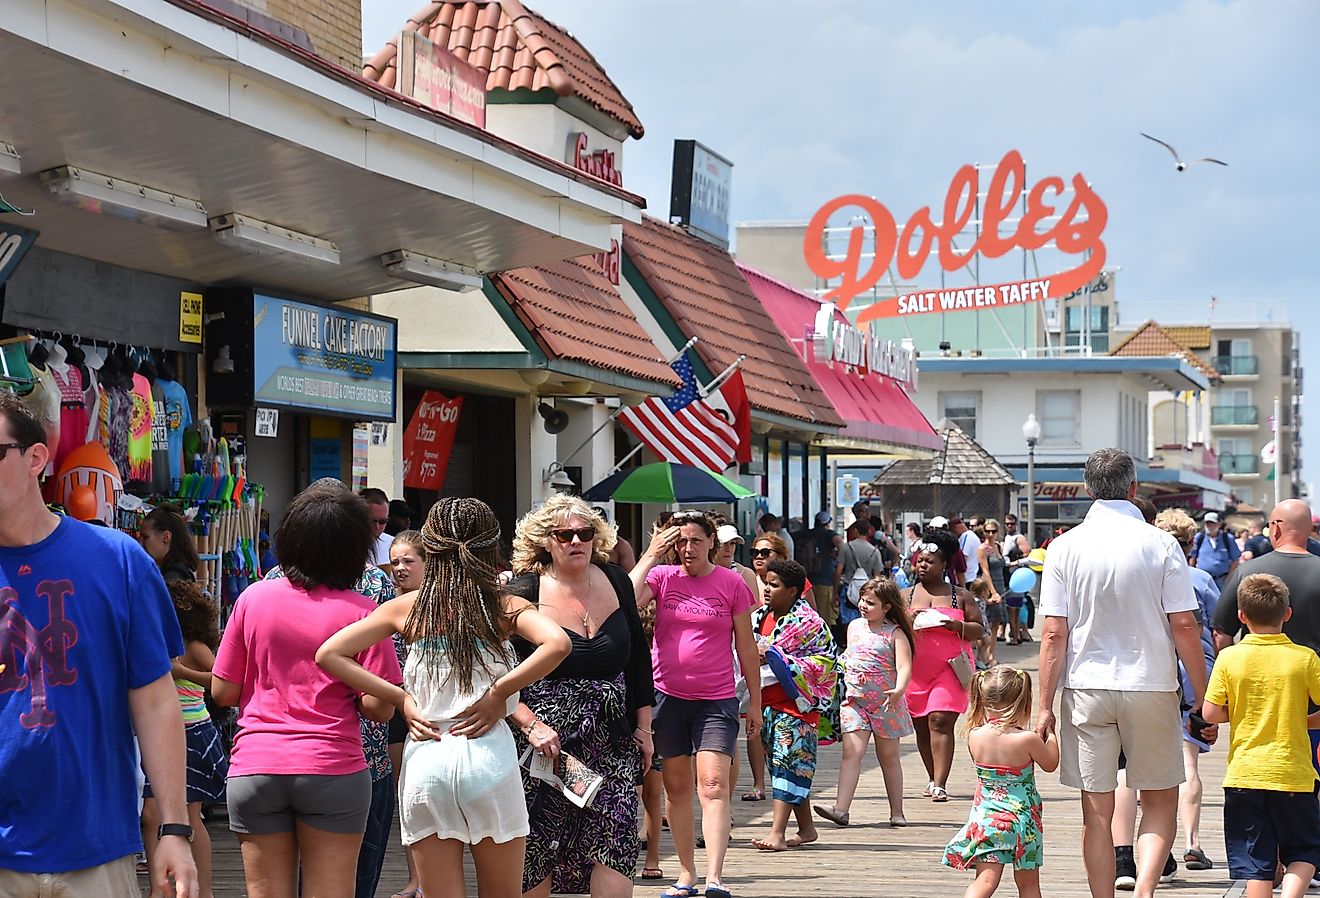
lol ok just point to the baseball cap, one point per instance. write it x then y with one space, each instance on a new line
1212 518
728 533
823 517
939 521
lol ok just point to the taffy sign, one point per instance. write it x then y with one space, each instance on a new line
1077 230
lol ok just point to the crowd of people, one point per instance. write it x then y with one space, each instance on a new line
550 712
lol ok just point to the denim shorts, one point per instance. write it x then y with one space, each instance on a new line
1261 825
686 726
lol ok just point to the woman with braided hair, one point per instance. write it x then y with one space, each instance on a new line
460 783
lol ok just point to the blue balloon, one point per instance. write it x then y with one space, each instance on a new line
1023 579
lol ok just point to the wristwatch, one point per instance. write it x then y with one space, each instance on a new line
174 829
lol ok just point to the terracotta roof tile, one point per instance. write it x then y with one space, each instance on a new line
517 48
703 291
575 313
1152 340
1190 335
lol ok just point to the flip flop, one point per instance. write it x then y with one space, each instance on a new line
939 793
408 893
1195 859
652 873
754 795
680 891
717 890
898 821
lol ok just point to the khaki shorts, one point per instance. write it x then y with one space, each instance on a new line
827 605
114 879
1095 724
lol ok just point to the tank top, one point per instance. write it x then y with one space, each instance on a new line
996 563
192 699
439 697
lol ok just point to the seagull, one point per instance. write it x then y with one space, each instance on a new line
1177 160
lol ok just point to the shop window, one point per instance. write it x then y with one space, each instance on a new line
961 409
1057 411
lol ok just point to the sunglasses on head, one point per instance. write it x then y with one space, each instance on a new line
932 548
583 534
686 517
762 553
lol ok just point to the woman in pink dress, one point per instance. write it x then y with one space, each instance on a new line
936 696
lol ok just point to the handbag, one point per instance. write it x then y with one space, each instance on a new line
963 669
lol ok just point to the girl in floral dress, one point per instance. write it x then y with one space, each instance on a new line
877 670
1004 827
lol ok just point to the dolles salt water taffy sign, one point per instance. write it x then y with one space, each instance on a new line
1077 231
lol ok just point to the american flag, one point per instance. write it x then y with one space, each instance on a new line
684 428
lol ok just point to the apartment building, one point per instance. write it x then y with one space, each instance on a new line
1257 362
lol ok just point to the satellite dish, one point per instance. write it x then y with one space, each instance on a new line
555 420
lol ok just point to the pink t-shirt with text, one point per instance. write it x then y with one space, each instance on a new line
294 718
692 654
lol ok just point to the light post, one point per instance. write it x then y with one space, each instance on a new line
1031 433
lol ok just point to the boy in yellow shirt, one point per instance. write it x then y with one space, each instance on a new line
1260 686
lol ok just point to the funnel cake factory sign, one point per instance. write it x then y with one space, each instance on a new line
1076 230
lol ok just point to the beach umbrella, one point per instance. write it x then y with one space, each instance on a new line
666 481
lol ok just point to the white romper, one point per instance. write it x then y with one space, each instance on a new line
455 787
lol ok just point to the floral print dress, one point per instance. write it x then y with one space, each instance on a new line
1005 822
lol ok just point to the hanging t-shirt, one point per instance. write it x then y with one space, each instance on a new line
178 415
139 431
73 411
87 619
161 481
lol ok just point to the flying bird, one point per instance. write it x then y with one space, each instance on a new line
1177 160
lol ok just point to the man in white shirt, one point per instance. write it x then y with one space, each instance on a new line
379 505
970 544
1119 614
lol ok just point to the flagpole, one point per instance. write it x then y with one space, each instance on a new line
721 377
618 411
1278 450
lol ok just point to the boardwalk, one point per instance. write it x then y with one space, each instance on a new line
869 858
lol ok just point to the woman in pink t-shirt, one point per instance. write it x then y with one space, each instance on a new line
299 789
700 609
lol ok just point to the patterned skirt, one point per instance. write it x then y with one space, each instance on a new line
591 719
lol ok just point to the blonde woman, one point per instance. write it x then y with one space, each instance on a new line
596 705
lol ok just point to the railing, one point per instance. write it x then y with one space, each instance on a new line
1234 414
1239 464
1236 364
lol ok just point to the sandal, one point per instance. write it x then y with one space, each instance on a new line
1195 859
938 793
926 792
717 890
652 873
831 814
408 893
898 821
681 891
754 795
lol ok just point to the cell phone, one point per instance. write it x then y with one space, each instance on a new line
1195 724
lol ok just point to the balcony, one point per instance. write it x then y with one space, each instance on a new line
1239 465
1237 365
1234 416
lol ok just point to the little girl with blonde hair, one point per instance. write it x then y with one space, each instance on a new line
1004 826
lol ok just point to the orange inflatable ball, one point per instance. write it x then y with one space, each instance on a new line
83 503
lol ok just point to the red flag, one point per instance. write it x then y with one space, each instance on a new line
730 401
686 428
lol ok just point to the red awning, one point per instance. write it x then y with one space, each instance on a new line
875 409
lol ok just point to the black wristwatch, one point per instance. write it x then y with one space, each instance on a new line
174 829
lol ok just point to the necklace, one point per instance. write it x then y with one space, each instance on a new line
585 616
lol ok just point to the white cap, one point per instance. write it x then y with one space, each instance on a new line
728 533
939 521
1212 518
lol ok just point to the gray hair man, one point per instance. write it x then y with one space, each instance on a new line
1119 611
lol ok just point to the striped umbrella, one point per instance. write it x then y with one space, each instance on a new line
666 481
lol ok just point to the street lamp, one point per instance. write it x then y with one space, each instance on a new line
1031 433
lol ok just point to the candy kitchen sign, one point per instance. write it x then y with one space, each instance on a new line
836 341
1076 231
600 164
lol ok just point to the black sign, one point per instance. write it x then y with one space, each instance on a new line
14 244
699 192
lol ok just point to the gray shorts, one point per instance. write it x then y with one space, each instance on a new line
263 804
686 726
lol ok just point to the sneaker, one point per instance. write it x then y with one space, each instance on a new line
1170 868
1125 868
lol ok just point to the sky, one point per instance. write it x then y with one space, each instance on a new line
813 100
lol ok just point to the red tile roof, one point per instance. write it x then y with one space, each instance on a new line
702 290
575 313
875 408
517 48
1152 340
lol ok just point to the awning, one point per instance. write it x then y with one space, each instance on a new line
174 96
878 415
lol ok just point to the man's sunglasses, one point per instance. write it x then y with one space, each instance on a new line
762 553
565 536
21 447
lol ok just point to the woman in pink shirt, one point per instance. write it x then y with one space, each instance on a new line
299 789
701 610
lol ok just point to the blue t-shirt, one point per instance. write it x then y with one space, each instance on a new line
91 605
178 415
1215 556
